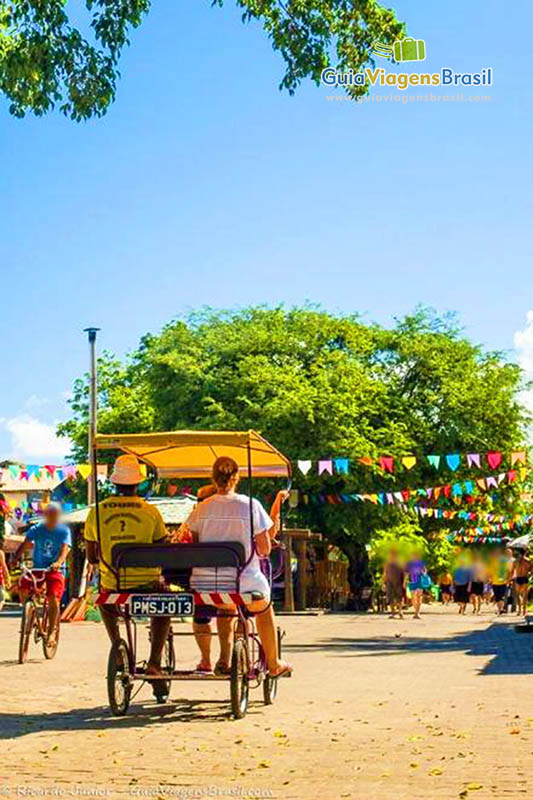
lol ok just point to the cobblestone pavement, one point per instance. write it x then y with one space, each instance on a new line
441 707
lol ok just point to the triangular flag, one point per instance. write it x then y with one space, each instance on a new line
366 460
304 466
492 482
172 489
386 463
511 476
494 460
481 483
437 492
325 465
453 460
50 468
409 462
398 496
294 497
434 461
518 457
84 470
473 460
342 465
501 477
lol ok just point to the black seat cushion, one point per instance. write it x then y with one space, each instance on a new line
179 556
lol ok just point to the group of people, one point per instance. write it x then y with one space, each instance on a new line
221 515
474 578
500 578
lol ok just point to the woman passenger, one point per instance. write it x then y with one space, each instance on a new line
225 516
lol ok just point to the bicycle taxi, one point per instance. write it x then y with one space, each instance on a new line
189 455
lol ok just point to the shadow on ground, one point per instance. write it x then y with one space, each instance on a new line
99 718
512 653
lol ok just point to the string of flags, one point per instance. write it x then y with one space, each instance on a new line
35 472
450 491
390 464
475 538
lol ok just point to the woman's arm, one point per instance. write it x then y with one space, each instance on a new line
263 544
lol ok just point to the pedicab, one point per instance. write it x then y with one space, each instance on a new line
190 455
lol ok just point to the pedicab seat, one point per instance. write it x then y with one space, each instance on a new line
179 556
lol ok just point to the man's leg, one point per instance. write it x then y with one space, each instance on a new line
160 627
109 616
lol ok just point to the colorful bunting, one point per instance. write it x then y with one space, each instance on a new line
473 460
518 457
494 460
434 461
325 465
409 462
453 460
341 465
386 463
304 466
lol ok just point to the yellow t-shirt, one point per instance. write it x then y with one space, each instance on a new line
125 520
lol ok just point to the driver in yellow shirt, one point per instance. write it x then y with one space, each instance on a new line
126 518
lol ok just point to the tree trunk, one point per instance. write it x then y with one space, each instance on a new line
359 576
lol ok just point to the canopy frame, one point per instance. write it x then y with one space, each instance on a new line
242 440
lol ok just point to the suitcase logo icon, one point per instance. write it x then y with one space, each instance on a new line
409 50
402 50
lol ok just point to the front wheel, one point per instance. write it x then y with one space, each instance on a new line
49 649
118 678
240 679
161 689
26 627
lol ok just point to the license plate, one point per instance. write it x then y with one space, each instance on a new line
162 605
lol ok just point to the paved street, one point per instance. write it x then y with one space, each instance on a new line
441 707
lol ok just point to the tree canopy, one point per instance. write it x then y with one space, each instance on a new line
48 59
319 385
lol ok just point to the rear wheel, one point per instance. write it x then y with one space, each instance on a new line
119 683
26 627
49 650
270 685
240 679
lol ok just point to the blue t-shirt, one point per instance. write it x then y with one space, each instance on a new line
462 576
47 543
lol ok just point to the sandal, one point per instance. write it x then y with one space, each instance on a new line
200 669
286 672
222 669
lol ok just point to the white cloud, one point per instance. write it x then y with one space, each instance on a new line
35 402
33 440
523 342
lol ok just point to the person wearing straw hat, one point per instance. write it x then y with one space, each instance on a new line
126 518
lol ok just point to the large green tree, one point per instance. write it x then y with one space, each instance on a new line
48 59
320 385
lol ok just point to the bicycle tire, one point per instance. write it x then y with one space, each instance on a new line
49 650
240 679
26 627
119 683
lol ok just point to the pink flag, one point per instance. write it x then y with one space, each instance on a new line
491 481
386 463
473 460
325 465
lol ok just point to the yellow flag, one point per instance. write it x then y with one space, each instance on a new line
408 462
84 470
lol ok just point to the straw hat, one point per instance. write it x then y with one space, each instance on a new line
127 471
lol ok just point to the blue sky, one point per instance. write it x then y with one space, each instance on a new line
206 185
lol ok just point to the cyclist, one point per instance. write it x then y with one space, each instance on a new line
51 542
126 518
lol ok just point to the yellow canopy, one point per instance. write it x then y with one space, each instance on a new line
190 454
